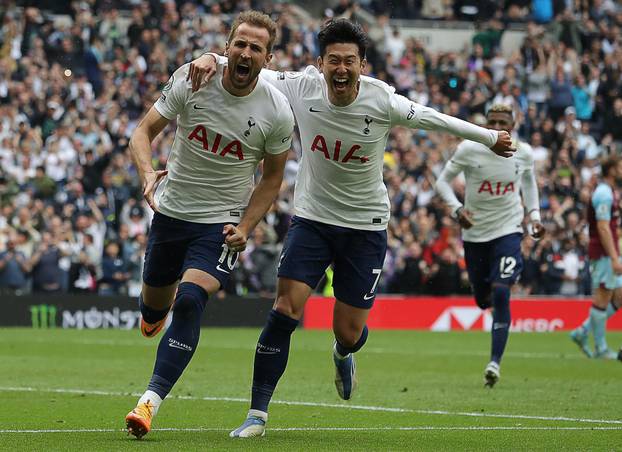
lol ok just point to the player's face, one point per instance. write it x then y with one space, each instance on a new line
341 66
499 120
248 53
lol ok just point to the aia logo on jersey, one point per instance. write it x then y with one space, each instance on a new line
319 144
496 188
234 147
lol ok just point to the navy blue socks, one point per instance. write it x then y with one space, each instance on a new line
500 321
180 339
271 358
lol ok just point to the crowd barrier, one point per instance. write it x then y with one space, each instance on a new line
389 312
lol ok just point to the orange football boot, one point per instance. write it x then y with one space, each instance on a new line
138 421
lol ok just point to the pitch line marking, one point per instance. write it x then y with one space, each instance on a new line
323 405
322 429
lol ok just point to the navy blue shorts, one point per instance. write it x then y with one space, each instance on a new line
357 255
175 245
498 261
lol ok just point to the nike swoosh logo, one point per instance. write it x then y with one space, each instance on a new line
368 296
178 347
196 107
219 268
151 331
314 111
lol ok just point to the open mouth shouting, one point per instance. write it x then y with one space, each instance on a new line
242 71
340 84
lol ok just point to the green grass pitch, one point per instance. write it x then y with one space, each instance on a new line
70 390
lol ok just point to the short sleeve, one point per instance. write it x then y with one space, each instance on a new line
174 95
602 200
280 138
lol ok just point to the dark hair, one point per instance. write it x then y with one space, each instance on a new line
608 164
342 31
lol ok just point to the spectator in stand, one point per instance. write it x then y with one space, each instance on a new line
77 127
13 270
47 276
115 272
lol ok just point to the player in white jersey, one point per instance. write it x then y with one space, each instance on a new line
341 202
492 223
223 132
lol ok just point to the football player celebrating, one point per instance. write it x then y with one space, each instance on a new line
341 202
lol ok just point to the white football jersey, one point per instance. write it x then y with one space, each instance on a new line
219 141
340 176
493 186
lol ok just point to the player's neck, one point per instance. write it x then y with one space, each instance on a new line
238 92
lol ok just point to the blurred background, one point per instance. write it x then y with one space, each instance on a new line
75 78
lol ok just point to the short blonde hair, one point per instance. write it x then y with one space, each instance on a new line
501 108
256 19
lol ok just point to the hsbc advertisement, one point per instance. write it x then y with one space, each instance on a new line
460 314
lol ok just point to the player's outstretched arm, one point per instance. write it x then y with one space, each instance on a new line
140 149
500 142
410 114
262 198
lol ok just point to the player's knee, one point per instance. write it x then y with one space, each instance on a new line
352 338
190 299
286 306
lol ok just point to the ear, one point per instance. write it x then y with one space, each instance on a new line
268 59
226 49
363 64
320 63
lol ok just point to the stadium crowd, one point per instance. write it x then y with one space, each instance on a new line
73 87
